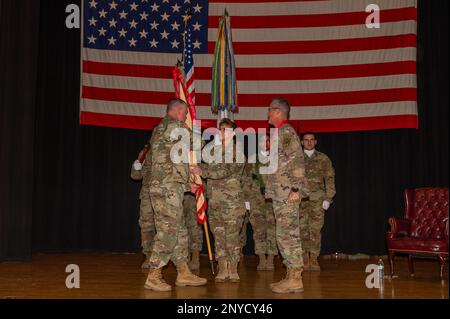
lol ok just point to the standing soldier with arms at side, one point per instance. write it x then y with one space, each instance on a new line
168 183
195 233
286 187
226 208
260 215
140 170
320 176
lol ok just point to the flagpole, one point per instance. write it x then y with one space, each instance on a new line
196 178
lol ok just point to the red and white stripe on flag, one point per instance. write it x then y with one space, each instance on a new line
182 92
337 74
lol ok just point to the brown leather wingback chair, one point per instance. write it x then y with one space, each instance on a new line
424 228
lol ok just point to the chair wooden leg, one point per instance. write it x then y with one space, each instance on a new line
411 265
442 262
391 255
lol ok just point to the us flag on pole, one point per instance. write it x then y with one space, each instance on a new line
189 62
338 74
185 90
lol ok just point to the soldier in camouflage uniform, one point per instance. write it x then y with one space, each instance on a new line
261 217
195 233
286 187
140 170
226 208
168 183
320 176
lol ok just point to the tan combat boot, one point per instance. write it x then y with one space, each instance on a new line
282 280
155 282
222 274
186 278
314 263
232 271
269 263
194 264
262 262
292 284
146 263
306 262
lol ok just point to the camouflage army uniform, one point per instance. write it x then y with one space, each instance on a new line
146 216
195 233
168 182
261 215
226 208
290 173
320 176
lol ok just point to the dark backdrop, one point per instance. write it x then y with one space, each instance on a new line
66 187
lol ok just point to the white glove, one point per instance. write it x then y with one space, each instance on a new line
247 205
325 204
137 165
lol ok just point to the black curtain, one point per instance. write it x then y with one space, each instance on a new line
18 73
66 187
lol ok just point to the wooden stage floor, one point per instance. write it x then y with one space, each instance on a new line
120 276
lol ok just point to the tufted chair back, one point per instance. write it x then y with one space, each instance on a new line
427 208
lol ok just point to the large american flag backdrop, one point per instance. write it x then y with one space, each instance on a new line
337 74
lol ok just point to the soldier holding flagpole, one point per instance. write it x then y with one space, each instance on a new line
183 75
226 204
168 182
